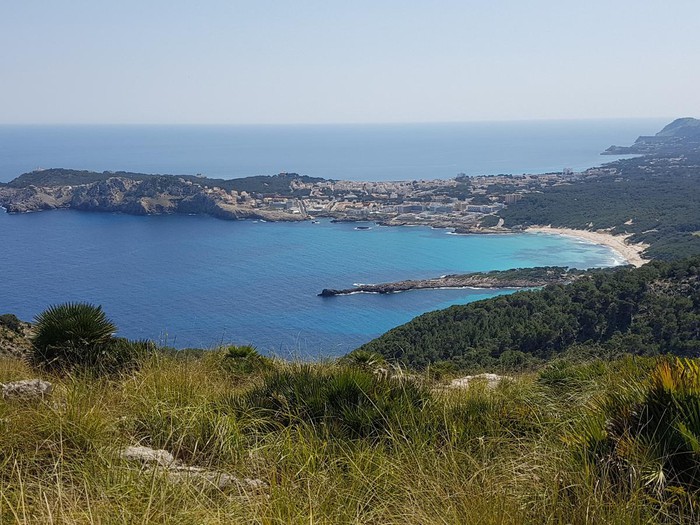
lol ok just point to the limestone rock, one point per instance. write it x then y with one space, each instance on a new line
492 380
177 472
148 455
27 389
211 478
15 336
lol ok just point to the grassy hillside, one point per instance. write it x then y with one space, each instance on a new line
649 310
343 443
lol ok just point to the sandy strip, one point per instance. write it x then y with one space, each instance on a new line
632 253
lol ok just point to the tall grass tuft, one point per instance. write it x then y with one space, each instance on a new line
340 444
338 401
646 435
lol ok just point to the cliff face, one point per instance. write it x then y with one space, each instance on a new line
155 195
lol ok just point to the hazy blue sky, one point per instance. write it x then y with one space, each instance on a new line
171 61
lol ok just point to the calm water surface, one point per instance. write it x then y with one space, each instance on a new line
198 281
355 152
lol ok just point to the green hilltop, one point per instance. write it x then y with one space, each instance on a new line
650 310
264 184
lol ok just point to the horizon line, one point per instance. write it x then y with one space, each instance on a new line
340 123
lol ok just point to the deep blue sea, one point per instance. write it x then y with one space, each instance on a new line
355 152
198 281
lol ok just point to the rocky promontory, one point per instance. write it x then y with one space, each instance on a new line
149 195
516 278
681 136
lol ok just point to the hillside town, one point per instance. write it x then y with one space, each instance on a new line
463 203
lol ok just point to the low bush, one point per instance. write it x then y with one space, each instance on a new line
239 360
364 359
338 401
11 322
648 431
74 336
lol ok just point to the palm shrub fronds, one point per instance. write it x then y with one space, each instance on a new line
647 432
79 335
339 401
244 359
364 359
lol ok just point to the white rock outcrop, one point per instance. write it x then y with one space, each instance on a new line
178 472
27 389
148 456
491 380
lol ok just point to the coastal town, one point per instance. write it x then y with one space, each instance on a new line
464 204
468 204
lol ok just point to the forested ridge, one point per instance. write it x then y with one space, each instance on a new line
265 184
649 310
656 199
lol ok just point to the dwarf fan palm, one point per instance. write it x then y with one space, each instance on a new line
71 334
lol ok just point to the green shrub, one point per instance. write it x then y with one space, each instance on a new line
649 430
241 360
11 322
120 354
364 359
566 374
79 336
344 402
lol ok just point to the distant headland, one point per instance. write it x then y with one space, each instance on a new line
598 200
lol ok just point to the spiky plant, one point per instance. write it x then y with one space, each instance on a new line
338 401
238 360
364 359
71 334
648 428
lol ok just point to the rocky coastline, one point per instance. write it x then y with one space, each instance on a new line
507 279
163 195
154 196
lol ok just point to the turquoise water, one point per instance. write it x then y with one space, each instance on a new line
198 281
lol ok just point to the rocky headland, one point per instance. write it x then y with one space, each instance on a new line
682 136
517 278
153 195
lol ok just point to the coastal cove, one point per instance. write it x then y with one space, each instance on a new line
198 281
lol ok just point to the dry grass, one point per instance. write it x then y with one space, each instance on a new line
475 456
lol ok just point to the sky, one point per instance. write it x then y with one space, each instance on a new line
327 61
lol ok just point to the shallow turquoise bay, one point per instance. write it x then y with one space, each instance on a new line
199 281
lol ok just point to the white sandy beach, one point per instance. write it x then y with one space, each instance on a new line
632 253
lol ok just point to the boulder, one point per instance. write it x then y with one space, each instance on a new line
491 380
27 389
177 472
148 455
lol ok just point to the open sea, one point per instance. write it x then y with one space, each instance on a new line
198 281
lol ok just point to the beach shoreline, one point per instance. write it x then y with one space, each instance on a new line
632 253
